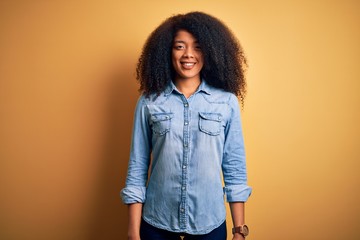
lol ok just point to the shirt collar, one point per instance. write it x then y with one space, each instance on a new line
170 88
204 87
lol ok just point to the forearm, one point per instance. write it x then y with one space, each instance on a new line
237 213
238 216
135 211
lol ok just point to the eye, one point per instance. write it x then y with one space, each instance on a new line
179 47
197 47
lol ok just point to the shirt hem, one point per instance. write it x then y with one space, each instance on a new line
187 231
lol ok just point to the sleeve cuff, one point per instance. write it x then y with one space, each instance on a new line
133 194
237 193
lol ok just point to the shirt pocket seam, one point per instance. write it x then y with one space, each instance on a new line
161 123
210 123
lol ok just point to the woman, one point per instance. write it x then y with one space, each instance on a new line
187 129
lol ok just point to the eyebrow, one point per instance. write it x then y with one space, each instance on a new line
181 41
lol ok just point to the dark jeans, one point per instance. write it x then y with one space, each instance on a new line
148 232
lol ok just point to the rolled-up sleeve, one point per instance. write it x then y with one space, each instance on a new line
135 188
234 162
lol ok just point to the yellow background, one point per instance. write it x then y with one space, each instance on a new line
67 94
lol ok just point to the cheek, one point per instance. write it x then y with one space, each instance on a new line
200 57
201 60
173 59
175 56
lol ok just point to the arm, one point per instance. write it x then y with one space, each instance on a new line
134 193
134 221
238 217
234 168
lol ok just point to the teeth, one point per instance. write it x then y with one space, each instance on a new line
188 64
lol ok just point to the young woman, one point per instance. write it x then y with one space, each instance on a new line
187 130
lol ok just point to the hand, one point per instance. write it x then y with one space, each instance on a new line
238 236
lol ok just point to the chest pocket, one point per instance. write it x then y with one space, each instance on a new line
161 122
210 123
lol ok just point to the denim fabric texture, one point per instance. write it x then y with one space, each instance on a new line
148 232
191 145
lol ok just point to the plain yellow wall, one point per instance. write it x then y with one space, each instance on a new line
67 93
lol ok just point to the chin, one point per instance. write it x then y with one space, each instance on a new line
189 76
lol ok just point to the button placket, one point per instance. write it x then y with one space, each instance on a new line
183 216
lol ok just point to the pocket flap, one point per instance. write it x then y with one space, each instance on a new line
211 116
157 117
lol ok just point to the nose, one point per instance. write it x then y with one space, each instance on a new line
189 53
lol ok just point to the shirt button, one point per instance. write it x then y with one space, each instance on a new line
186 105
186 123
185 145
182 210
183 188
184 166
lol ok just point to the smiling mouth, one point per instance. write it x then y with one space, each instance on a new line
188 65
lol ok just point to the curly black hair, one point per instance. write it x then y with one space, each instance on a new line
224 59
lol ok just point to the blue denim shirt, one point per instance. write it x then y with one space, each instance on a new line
190 145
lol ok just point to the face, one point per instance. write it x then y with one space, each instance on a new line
187 57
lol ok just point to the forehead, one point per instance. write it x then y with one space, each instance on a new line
184 36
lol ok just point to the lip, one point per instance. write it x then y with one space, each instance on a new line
188 65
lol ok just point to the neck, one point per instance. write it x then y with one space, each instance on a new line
187 86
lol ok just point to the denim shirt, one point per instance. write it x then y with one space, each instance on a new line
190 145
